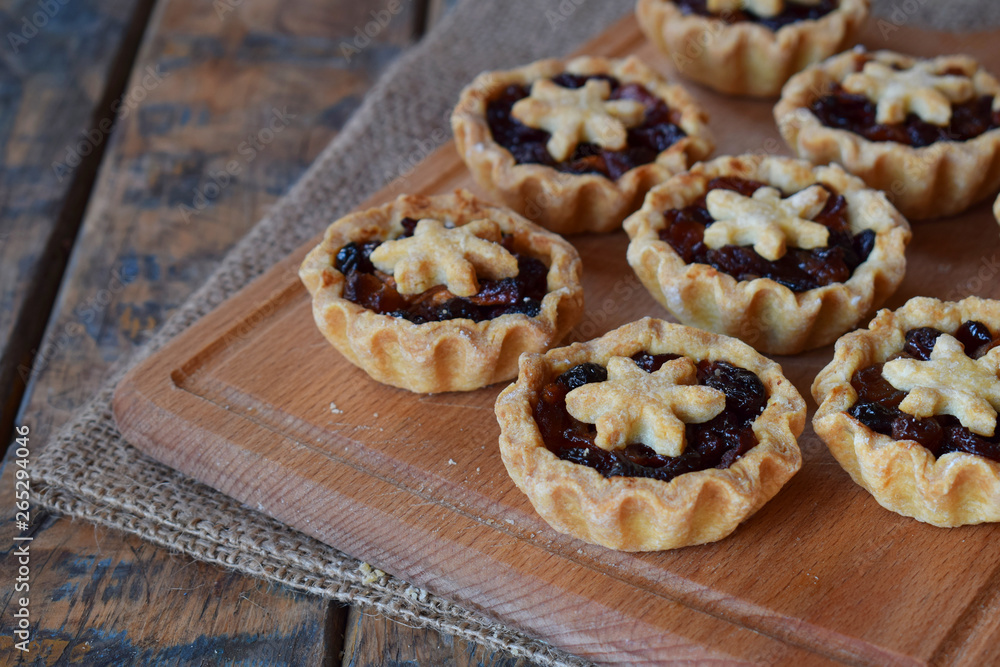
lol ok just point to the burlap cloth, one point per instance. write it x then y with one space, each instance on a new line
90 472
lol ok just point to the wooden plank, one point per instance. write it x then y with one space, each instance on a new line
63 67
158 224
210 77
101 597
377 480
373 639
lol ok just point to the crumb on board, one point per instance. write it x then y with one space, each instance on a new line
414 593
452 462
371 574
334 409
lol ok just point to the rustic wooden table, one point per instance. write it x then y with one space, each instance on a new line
114 115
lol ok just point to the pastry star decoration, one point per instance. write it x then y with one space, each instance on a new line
758 7
575 115
652 408
950 383
766 221
920 90
438 255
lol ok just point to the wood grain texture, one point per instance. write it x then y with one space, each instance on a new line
106 598
62 68
259 83
415 484
372 640
210 80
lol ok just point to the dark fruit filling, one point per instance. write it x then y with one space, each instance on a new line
856 113
793 13
659 131
369 287
878 401
799 270
714 444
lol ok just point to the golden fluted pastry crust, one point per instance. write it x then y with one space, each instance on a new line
572 203
955 489
942 179
637 514
762 312
746 58
450 355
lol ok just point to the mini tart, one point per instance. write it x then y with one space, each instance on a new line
639 513
571 203
745 57
943 178
764 313
954 489
454 354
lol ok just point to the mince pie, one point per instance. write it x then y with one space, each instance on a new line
909 408
925 131
575 146
771 250
442 293
654 436
749 47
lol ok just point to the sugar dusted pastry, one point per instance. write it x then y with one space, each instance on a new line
576 145
909 408
925 131
654 436
773 251
442 293
749 47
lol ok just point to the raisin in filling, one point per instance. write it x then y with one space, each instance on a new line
368 287
878 401
793 13
799 270
715 444
856 113
659 131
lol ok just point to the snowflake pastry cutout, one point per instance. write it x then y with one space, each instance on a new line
766 221
652 408
573 116
452 256
950 383
921 89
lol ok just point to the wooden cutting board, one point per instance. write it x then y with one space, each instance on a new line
254 402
